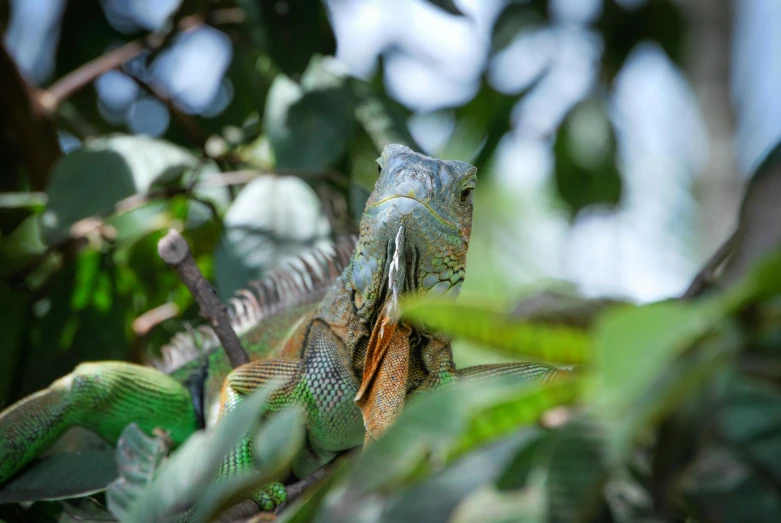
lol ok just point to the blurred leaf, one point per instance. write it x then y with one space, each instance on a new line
524 406
138 457
435 499
759 228
634 346
489 506
720 488
279 440
517 16
92 180
383 119
273 217
310 124
585 153
554 343
751 422
61 476
622 28
576 471
186 475
22 247
16 207
295 31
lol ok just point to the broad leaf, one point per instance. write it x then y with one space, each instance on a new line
309 124
61 476
92 180
435 499
555 343
271 219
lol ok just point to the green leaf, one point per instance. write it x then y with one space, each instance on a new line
92 180
17 207
436 498
576 471
138 457
750 421
187 474
273 217
522 407
279 440
719 487
635 346
309 125
555 343
61 476
585 152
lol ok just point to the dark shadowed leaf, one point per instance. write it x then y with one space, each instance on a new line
272 218
16 207
623 27
310 124
550 342
90 181
585 154
435 499
720 488
576 471
62 476
751 422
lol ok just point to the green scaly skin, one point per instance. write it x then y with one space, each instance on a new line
319 351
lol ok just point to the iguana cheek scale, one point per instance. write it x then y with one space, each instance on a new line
327 328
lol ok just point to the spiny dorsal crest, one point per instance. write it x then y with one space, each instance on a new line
301 281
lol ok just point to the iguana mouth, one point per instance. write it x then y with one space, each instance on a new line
407 204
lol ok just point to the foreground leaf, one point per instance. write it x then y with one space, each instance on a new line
61 476
554 343
92 180
182 480
138 457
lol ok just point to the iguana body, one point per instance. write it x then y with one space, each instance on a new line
346 358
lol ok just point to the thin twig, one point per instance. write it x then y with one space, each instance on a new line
174 251
705 277
82 76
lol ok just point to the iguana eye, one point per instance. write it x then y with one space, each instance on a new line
466 195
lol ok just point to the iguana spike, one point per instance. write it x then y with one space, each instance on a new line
277 291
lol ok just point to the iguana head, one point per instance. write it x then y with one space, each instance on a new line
413 239
420 212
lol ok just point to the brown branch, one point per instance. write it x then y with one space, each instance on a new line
174 251
703 280
82 76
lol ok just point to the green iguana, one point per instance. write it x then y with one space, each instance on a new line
331 333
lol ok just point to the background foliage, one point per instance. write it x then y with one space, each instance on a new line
672 415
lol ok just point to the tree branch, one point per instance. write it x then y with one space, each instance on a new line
174 251
82 76
705 277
